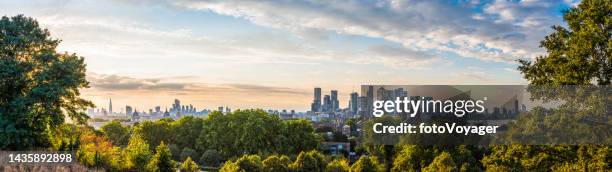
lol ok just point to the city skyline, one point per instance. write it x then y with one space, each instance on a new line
271 54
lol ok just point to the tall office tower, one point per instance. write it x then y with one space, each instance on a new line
326 103
176 107
353 102
362 104
128 110
369 101
316 103
334 101
110 106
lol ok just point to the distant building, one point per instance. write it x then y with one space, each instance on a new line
128 110
327 106
110 106
353 106
316 102
334 104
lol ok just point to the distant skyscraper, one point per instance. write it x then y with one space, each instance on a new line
369 101
353 106
316 103
327 106
128 110
176 107
334 101
110 106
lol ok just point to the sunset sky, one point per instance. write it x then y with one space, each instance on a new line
270 54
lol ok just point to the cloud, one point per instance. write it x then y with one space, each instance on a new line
112 82
503 31
117 82
400 57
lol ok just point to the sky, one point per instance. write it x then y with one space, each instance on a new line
271 54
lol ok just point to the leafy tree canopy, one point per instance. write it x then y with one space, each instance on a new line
39 87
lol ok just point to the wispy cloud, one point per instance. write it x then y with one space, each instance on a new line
504 31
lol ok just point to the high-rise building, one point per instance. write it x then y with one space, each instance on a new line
110 106
176 107
128 110
353 106
327 106
316 103
369 101
334 101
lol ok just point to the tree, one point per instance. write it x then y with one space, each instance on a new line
162 160
186 131
367 164
189 166
244 163
155 132
412 158
117 133
39 88
254 132
97 151
210 158
277 163
338 165
300 136
188 152
137 153
443 162
309 161
578 55
176 151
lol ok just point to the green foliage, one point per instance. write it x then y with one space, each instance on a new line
367 164
544 158
277 163
189 166
412 158
443 162
254 132
137 153
309 161
338 165
176 152
98 151
117 133
246 163
155 132
188 152
66 137
39 88
186 131
162 160
581 55
211 158
578 55
299 136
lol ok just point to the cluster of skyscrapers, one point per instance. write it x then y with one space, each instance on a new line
330 102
